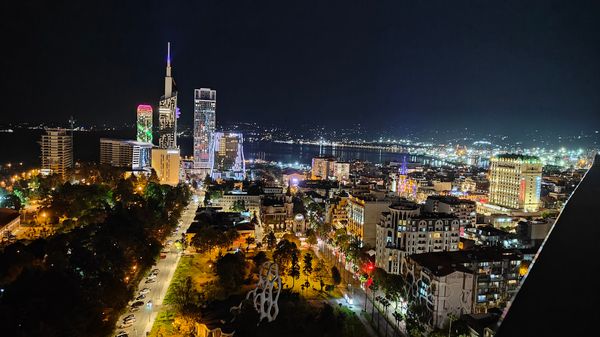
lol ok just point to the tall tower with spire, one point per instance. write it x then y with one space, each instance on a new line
167 110
166 160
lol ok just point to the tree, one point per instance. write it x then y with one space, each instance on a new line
417 317
307 269
259 259
311 237
283 254
206 239
249 240
208 181
321 272
294 267
335 276
186 298
238 206
11 201
270 240
231 269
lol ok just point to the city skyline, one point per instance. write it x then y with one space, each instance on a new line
444 66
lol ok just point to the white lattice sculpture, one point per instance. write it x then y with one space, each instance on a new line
266 294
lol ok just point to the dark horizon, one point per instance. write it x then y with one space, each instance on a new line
509 67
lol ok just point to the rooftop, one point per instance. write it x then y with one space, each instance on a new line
451 200
447 261
515 156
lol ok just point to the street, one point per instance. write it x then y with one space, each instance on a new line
147 313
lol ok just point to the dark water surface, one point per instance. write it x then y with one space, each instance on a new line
22 146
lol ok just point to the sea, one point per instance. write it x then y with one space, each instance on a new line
22 145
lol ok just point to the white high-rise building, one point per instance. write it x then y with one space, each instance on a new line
57 151
168 111
205 105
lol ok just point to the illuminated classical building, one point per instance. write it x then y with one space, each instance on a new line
515 181
168 111
166 163
205 105
125 153
57 152
144 123
228 149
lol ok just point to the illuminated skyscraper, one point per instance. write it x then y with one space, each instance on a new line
205 104
228 149
515 181
57 151
144 123
168 111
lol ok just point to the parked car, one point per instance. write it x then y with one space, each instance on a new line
144 291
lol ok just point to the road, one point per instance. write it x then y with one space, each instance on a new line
145 316
351 286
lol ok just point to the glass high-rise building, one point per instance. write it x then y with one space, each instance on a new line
205 105
144 123
168 111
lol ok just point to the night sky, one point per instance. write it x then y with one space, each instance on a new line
486 65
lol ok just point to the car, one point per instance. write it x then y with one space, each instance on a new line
140 297
134 309
126 325
137 304
155 271
151 276
122 334
129 319
150 281
144 291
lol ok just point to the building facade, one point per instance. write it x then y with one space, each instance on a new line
125 153
252 202
463 209
496 277
515 181
443 291
363 215
166 163
322 167
392 222
168 110
144 123
57 152
229 162
341 171
403 231
205 107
